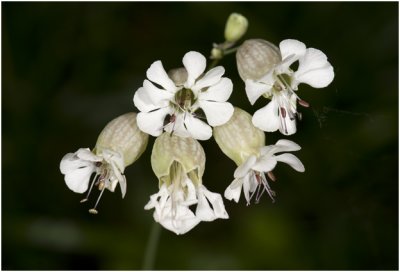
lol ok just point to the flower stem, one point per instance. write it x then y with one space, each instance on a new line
151 247
224 53
213 64
230 51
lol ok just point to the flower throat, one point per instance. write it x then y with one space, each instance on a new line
184 99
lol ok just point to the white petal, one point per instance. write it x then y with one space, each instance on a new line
219 92
233 191
211 78
269 149
292 47
157 74
113 157
190 196
280 146
119 176
178 126
152 122
69 163
288 127
292 160
77 172
253 182
197 128
245 167
111 183
195 64
122 185
181 222
217 113
255 89
78 180
162 194
143 102
204 211
287 145
314 69
87 155
246 187
159 97
265 164
267 118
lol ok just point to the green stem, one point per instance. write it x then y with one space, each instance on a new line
151 247
230 51
224 53
213 64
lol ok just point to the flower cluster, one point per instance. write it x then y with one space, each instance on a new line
190 103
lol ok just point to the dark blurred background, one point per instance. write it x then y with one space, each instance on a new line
69 68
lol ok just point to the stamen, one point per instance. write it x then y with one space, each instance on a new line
262 187
281 83
268 188
303 103
258 197
257 177
284 84
283 123
271 175
283 112
91 186
173 128
93 210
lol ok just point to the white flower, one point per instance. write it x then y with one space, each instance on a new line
250 174
172 202
280 83
177 105
108 167
179 164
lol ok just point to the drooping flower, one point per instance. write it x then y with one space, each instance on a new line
278 81
251 174
175 107
119 144
245 145
179 165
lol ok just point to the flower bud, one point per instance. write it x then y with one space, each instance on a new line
238 138
123 135
178 76
216 53
185 151
256 57
236 27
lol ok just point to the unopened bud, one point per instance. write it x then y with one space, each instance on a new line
216 53
187 152
255 58
178 76
123 135
239 138
236 27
